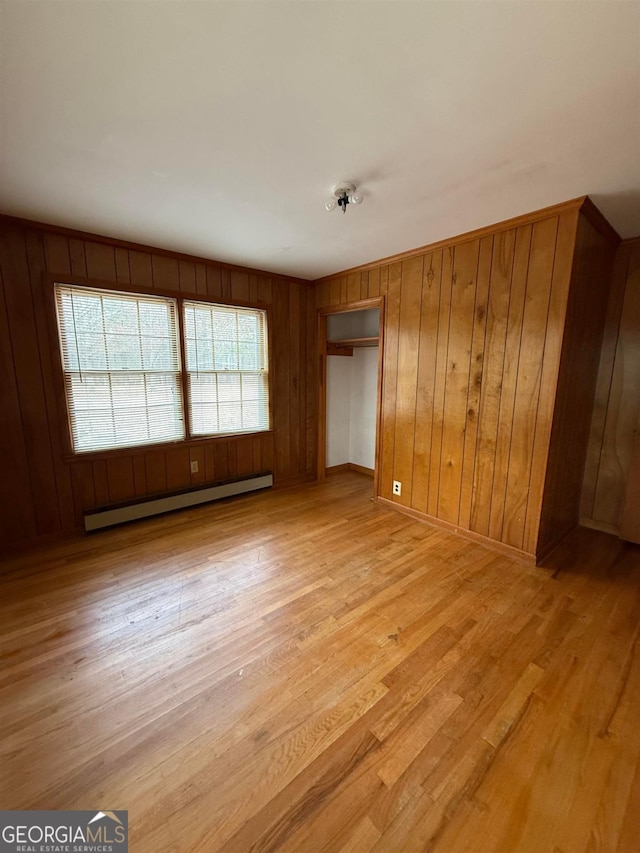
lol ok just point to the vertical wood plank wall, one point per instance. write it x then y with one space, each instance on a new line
44 495
473 343
616 413
581 347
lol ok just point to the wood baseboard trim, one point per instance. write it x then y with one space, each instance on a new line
337 469
500 547
546 552
602 526
349 466
360 469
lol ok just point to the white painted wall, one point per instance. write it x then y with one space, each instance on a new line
352 389
338 409
364 397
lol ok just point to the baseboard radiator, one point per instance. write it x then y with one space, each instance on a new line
97 519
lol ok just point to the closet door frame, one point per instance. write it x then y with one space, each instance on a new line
321 338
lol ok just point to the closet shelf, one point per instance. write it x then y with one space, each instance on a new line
356 342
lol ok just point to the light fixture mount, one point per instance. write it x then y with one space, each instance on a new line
344 193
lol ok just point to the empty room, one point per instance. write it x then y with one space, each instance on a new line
320 426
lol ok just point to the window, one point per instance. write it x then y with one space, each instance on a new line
123 375
226 362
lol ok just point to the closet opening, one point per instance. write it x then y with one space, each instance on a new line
350 343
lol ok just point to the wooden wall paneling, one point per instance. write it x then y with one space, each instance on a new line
201 280
214 283
56 248
311 385
232 456
196 454
293 387
623 405
78 257
335 291
244 456
265 290
253 288
353 287
165 273
321 293
586 311
211 475
84 494
509 380
406 377
475 381
225 277
42 304
140 269
364 285
29 381
426 356
123 273
267 452
457 378
50 491
373 282
321 369
18 511
120 479
390 379
240 286
257 454
630 521
281 381
101 261
156 471
605 376
139 475
530 358
100 482
221 460
440 368
187 276
178 470
562 265
492 372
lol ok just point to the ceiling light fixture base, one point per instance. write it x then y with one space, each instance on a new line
344 193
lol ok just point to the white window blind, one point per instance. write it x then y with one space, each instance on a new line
227 368
121 365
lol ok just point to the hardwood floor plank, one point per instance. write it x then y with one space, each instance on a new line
304 670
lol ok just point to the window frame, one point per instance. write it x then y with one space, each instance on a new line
69 453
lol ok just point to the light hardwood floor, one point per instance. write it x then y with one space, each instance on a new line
304 670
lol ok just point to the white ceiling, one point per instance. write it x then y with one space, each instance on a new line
219 128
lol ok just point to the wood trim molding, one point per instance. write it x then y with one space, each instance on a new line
599 221
361 469
142 247
602 526
499 547
349 466
580 203
346 308
322 353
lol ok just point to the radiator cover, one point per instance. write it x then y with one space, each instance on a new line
97 519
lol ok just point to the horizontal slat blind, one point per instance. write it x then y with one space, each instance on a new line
227 367
121 363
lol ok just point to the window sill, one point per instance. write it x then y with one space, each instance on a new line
142 449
